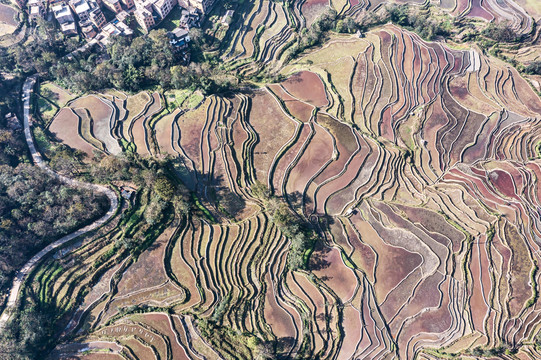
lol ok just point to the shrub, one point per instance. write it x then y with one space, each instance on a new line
501 32
533 68
423 25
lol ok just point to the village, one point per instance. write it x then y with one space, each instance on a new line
98 21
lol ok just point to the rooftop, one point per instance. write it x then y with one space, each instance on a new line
179 32
143 12
68 26
81 6
35 9
61 12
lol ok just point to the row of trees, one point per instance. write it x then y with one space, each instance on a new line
422 24
501 32
133 65
533 68
128 64
29 335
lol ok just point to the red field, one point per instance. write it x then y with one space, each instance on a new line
65 128
379 201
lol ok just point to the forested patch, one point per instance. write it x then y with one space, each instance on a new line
36 208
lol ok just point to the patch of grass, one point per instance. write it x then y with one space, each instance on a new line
172 20
55 94
175 98
42 142
46 109
347 261
194 100
535 293
203 209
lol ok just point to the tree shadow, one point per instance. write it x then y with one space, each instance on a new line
217 191
295 78
318 260
283 346
51 95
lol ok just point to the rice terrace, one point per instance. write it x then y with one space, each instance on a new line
298 179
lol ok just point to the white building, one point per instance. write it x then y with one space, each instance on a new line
69 28
81 8
63 14
145 19
163 7
36 8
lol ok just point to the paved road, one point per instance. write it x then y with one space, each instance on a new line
36 156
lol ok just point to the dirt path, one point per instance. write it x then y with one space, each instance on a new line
36 156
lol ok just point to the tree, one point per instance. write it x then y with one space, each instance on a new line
348 25
261 191
399 14
502 32
154 211
533 68
164 188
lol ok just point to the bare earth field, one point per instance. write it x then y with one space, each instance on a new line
415 164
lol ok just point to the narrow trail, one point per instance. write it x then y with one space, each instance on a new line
38 160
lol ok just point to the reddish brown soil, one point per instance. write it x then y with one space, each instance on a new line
144 273
503 183
279 321
318 152
274 129
427 295
7 14
164 133
299 110
341 182
478 11
161 323
65 128
477 303
327 264
97 108
287 158
352 329
307 86
434 223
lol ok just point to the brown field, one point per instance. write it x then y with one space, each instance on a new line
7 15
274 129
65 128
410 170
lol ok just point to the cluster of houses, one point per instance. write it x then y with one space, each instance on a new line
87 17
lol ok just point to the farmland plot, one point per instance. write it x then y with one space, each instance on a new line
419 171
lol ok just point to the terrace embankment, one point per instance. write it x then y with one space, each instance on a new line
419 171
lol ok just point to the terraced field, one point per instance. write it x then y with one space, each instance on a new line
416 164
8 19
109 122
262 37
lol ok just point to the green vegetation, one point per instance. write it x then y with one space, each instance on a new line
422 24
501 32
497 351
171 21
226 265
37 209
533 68
318 32
298 231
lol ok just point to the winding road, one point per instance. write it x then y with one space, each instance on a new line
36 156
